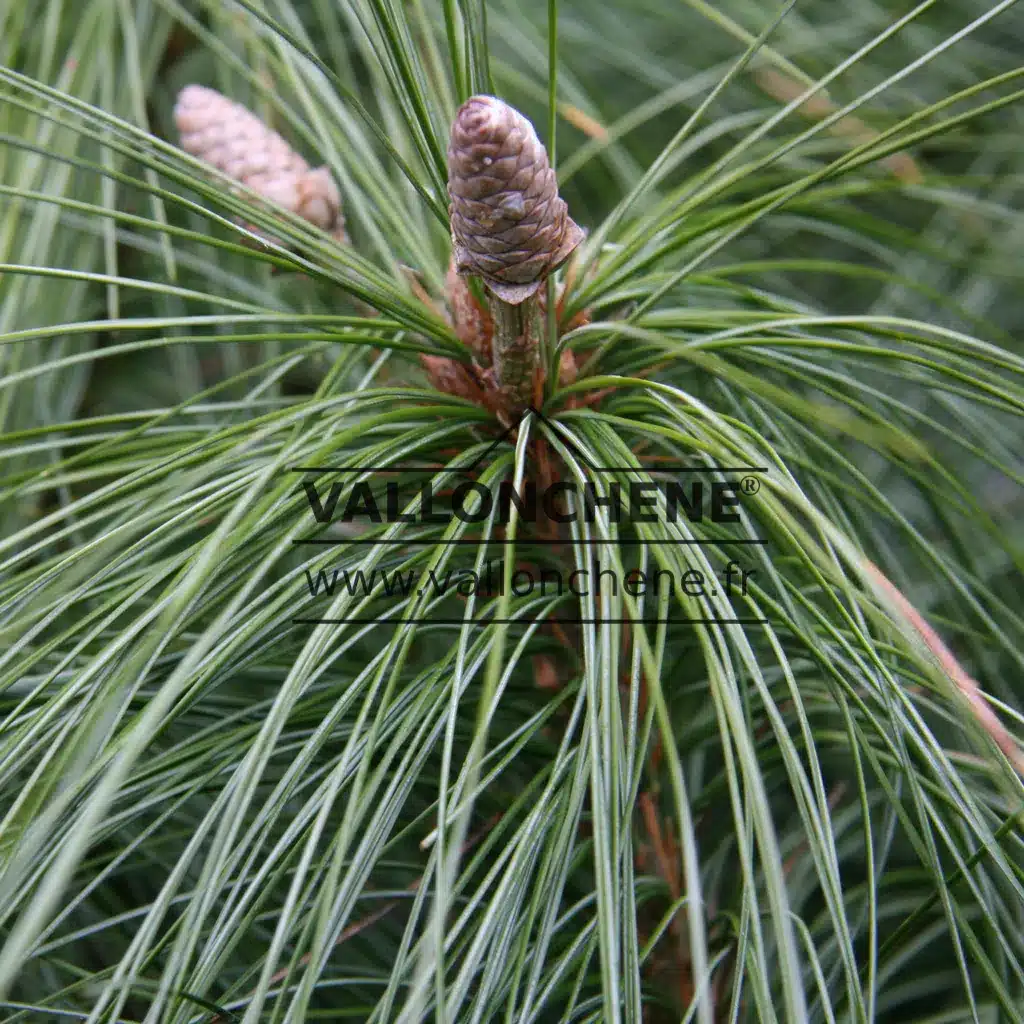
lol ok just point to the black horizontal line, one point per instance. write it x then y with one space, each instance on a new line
383 541
680 469
459 469
512 622
375 469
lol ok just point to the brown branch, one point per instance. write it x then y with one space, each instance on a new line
586 124
816 108
967 686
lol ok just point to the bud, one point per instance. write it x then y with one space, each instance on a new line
225 135
452 377
472 323
509 224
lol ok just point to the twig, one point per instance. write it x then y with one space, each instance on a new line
816 108
967 686
515 347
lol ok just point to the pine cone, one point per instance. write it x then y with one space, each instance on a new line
234 140
509 224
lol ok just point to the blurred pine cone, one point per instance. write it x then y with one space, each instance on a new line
509 224
234 140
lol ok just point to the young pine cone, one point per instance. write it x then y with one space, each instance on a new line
234 140
509 224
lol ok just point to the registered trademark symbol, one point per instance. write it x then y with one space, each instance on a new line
750 485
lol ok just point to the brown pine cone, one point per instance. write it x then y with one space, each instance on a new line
509 224
234 140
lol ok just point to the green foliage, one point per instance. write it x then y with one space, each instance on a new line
211 811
